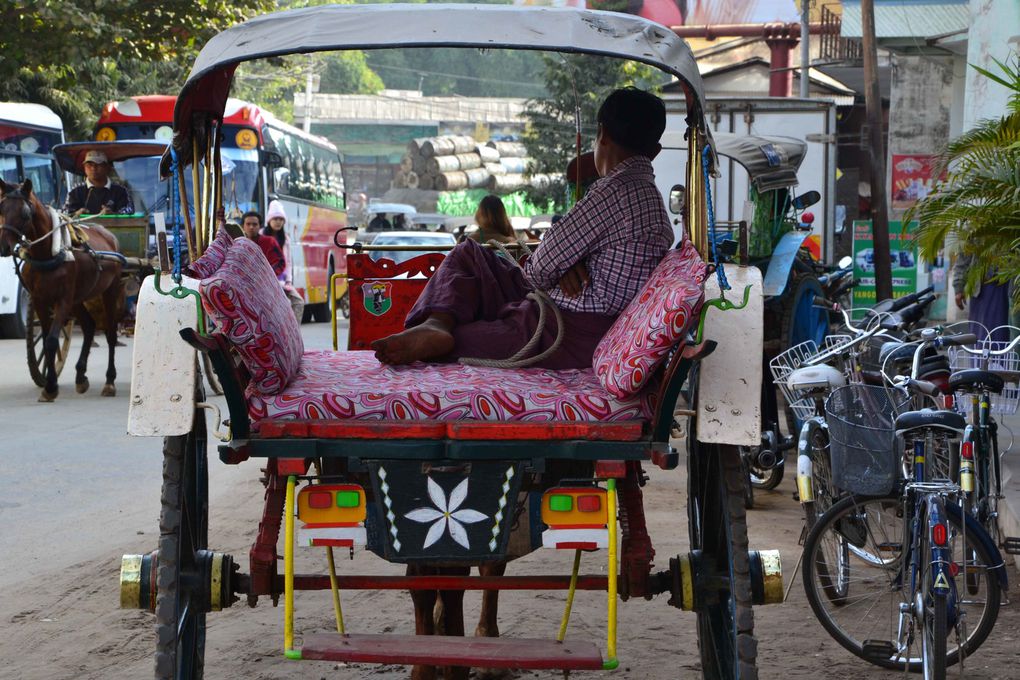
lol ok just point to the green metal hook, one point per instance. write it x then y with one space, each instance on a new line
722 304
180 293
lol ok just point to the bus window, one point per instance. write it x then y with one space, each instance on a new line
9 168
40 170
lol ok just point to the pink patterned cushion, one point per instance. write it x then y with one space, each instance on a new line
249 307
652 323
212 259
354 385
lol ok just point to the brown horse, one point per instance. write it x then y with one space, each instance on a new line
59 285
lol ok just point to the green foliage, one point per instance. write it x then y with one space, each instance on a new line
75 55
979 202
573 82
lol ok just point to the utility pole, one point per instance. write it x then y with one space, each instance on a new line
805 47
873 105
309 77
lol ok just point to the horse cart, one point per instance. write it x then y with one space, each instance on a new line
444 466
64 261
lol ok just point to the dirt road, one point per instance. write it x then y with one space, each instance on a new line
60 594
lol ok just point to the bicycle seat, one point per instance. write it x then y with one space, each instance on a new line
926 417
812 378
975 380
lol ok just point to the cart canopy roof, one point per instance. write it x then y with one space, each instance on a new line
71 156
771 162
366 27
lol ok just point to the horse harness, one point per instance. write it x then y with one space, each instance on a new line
79 241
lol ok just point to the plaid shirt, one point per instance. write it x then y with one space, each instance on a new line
619 229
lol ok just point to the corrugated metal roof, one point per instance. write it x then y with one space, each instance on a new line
908 18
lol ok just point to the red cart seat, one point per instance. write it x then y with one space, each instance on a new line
354 385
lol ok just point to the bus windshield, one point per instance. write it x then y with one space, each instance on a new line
149 192
25 154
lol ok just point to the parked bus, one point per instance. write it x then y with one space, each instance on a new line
263 159
27 134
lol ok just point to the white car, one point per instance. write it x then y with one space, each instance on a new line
410 238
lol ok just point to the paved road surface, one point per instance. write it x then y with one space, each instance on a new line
76 493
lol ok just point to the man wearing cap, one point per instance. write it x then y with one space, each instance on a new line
98 195
591 263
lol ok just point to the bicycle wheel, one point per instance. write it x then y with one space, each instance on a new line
934 610
823 490
866 620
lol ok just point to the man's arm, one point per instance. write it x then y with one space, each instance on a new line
123 204
567 243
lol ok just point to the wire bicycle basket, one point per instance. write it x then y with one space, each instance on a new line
862 438
1006 366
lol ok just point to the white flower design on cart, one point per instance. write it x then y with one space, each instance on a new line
446 515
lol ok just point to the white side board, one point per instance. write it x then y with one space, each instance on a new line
729 390
164 368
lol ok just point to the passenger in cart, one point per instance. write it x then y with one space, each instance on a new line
590 265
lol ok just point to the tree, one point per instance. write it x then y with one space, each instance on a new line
979 202
75 55
573 82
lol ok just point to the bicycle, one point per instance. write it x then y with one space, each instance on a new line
987 378
900 609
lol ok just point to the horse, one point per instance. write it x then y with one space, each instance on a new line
60 278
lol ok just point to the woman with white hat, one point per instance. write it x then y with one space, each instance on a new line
276 220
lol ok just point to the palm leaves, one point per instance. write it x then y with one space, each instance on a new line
979 202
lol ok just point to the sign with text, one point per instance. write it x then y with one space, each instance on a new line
903 256
912 179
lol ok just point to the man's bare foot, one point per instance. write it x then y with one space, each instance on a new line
427 341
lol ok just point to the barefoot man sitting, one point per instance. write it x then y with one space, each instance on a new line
591 263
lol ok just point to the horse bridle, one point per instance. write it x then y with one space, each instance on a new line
29 215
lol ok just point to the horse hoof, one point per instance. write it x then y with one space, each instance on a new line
46 397
109 390
82 387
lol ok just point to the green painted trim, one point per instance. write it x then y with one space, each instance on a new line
610 665
293 654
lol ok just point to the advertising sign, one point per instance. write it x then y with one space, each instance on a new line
902 253
912 179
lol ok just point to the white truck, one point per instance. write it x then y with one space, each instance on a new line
810 120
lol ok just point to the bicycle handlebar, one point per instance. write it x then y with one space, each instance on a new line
989 352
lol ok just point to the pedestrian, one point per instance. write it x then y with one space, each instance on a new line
276 222
251 223
591 264
493 223
989 302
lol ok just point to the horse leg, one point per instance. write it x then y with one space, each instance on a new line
111 300
88 331
424 623
51 345
487 626
453 620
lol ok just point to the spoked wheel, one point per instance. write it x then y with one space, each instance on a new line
343 305
181 604
866 620
34 345
718 531
823 490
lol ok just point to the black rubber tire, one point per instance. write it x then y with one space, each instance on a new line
978 628
34 348
766 480
939 624
320 312
344 305
821 480
718 529
745 473
15 325
184 529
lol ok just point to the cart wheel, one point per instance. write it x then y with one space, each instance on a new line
34 347
344 305
718 530
183 527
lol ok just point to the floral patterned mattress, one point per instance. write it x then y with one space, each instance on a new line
356 386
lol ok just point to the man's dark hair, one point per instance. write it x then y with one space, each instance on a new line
252 213
634 119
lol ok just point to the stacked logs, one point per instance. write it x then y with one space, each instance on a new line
454 162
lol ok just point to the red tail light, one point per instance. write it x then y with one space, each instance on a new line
939 535
948 401
967 450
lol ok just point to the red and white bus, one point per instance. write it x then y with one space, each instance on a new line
263 159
